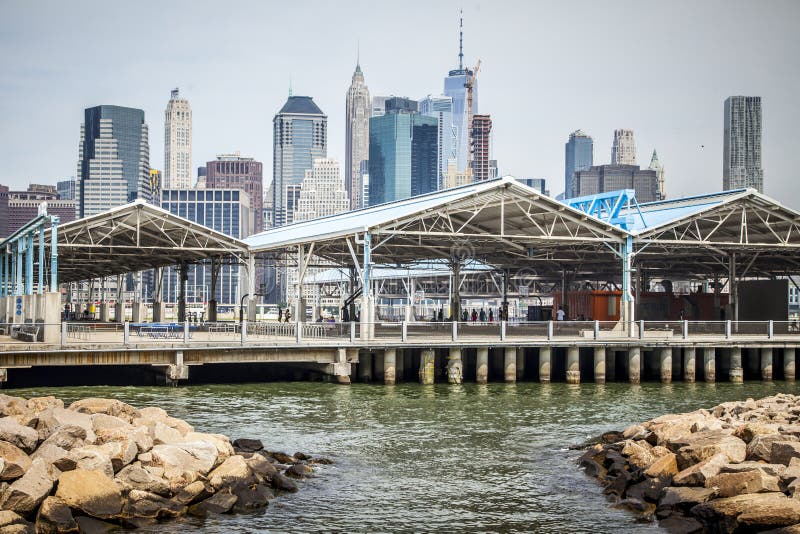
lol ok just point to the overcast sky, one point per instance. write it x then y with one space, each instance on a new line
548 68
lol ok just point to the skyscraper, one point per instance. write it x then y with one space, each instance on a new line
455 87
607 178
177 143
623 151
232 171
655 165
299 137
356 136
379 105
323 192
579 156
441 107
481 137
742 144
113 158
403 154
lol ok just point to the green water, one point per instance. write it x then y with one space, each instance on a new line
411 457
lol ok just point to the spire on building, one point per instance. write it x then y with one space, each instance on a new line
654 163
461 41
290 86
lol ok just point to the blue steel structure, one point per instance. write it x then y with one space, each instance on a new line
609 207
19 246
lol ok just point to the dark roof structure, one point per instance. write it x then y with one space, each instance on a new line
301 105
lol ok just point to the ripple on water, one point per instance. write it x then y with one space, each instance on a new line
444 458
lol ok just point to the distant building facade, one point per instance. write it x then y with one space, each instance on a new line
22 206
742 144
481 140
113 159
441 107
540 184
578 156
323 192
656 165
232 171
156 182
379 105
67 189
623 151
300 137
177 143
358 110
606 178
403 153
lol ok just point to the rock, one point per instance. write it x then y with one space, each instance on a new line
40 404
775 470
232 471
121 453
298 471
149 416
222 443
649 489
664 428
136 439
703 445
638 453
27 493
12 522
52 419
634 432
66 437
145 504
90 491
321 461
56 456
23 437
792 471
751 511
685 496
136 477
783 451
644 509
92 458
697 474
248 445
197 456
249 498
760 446
55 517
164 434
10 405
90 525
282 457
261 467
105 406
302 457
219 503
196 491
666 466
748 431
283 483
755 481
15 461
679 524
593 469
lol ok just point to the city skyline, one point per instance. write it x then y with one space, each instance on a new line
682 120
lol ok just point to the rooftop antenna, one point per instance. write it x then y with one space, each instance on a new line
358 53
290 86
461 41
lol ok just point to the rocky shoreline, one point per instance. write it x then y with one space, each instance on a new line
732 468
100 464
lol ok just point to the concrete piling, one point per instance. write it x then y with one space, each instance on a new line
666 365
689 354
788 364
455 366
482 365
736 372
634 365
520 363
389 366
400 365
573 365
766 364
600 365
427 367
544 364
510 365
709 364
365 366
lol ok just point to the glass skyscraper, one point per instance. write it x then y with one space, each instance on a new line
742 144
403 153
441 107
579 156
454 88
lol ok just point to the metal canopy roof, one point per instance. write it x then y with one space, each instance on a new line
135 237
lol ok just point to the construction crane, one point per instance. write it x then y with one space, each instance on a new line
469 83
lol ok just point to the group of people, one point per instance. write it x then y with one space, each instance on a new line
482 316
284 317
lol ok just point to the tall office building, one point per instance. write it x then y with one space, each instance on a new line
156 185
113 159
607 178
403 154
357 136
299 137
379 105
232 171
579 156
540 184
481 138
441 107
623 151
323 191
742 144
455 87
20 207
177 143
655 165
66 189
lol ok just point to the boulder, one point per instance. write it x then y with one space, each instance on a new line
196 491
697 474
792 471
52 419
92 492
703 445
248 445
10 405
249 498
56 456
145 504
685 496
760 447
232 471
25 494
164 434
113 407
219 503
22 436
139 436
40 404
749 512
775 470
55 517
283 458
149 416
13 522
66 437
783 451
136 477
754 481
679 524
261 467
649 489
283 483
197 456
302 457
665 466
748 431
92 458
637 452
15 461
90 525
102 421
303 471
121 453
222 443
663 429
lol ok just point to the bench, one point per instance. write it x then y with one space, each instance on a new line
25 332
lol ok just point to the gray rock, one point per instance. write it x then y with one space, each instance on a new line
25 494
55 455
685 496
754 481
784 451
760 447
283 483
191 493
249 498
67 437
298 471
23 437
90 525
15 461
145 504
248 445
218 503
136 477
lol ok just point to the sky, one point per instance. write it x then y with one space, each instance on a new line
662 68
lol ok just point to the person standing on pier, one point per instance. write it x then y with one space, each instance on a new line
474 315
482 316
491 315
560 314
